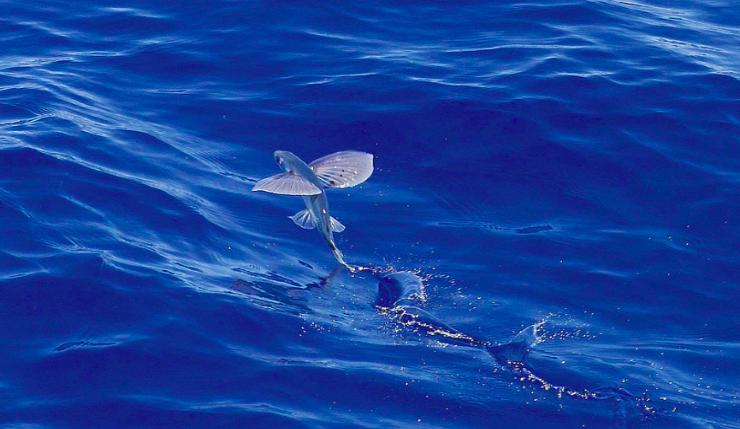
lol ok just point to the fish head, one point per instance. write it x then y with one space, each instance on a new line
285 159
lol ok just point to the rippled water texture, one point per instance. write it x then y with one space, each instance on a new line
572 167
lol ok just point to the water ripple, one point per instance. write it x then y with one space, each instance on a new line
572 162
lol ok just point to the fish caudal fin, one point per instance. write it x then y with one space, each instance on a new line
336 226
303 219
343 169
340 258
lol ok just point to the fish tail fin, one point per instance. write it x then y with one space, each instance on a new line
340 258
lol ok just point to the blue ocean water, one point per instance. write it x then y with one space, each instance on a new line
570 165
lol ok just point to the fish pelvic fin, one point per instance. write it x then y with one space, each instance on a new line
303 219
335 225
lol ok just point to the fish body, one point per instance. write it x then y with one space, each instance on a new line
317 205
338 170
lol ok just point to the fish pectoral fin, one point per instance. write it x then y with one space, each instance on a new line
303 219
343 169
287 184
336 226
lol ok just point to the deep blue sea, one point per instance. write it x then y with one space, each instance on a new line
572 165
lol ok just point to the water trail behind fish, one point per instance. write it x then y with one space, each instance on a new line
398 298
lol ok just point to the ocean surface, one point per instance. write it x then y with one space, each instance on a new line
568 165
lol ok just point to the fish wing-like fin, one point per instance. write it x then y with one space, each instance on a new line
303 219
343 169
336 226
287 184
